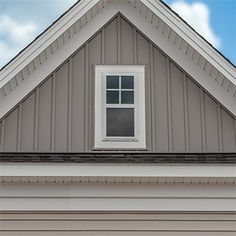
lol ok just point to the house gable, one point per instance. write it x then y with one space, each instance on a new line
58 116
53 180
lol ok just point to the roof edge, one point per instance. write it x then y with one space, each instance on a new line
121 157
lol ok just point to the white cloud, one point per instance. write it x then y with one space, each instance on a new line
13 37
198 16
14 30
17 27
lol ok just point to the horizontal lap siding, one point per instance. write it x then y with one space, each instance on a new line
116 209
121 233
118 224
58 115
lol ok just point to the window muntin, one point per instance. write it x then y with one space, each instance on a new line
120 107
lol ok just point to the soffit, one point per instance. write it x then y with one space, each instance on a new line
116 173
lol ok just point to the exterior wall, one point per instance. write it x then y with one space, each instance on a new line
58 115
117 209
114 224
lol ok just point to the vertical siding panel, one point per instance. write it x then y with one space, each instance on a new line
77 123
143 54
194 117
186 118
228 132
61 108
177 105
235 131
203 121
1 134
111 43
160 107
169 109
27 124
86 97
53 111
219 127
69 126
211 124
127 42
19 127
36 125
152 91
94 58
44 116
135 46
10 137
103 46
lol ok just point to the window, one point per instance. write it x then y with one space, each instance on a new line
119 107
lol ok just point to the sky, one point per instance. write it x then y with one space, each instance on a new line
22 20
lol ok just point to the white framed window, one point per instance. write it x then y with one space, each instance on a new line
120 107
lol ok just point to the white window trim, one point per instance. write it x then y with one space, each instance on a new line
139 140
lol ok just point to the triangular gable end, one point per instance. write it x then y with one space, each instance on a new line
58 115
153 18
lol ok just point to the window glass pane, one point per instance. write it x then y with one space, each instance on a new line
112 82
127 82
112 97
120 122
127 97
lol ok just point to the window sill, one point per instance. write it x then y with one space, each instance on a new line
120 139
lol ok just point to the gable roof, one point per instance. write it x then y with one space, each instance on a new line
154 18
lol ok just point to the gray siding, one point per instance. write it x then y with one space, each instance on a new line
58 114
44 100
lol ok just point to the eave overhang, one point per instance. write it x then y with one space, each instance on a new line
118 168
162 172
153 18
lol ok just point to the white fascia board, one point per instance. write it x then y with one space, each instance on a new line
31 52
192 38
117 170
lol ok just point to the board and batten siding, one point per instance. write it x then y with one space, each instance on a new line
59 114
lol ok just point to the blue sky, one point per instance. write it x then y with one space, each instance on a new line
22 20
222 21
